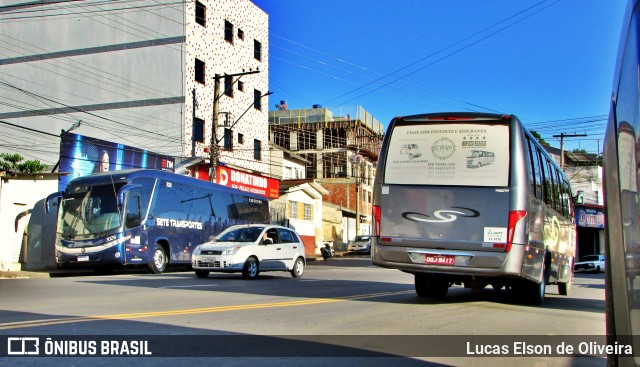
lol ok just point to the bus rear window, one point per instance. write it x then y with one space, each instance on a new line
448 154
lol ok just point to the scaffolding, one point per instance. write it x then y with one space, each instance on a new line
326 138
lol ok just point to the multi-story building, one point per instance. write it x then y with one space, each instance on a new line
141 74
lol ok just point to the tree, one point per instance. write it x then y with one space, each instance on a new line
539 137
580 151
12 162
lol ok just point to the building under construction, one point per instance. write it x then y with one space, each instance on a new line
331 141
339 148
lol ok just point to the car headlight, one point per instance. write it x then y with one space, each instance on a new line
197 251
231 251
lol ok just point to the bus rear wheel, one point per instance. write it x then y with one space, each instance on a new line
564 288
159 261
430 286
532 293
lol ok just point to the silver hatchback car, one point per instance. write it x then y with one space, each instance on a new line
251 249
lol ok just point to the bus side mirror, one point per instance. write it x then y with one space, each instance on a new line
47 202
579 198
123 190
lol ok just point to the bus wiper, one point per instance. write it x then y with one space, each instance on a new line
76 217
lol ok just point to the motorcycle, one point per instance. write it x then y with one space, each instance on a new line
327 252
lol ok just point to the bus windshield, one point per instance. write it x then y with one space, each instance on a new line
89 211
452 154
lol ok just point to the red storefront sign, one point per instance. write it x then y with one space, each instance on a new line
260 185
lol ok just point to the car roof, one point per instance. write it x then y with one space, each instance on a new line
253 225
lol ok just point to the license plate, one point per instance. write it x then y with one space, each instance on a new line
439 260
83 258
208 259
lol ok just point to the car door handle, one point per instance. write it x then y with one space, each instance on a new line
279 248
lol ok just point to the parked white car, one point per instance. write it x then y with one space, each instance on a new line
590 263
251 249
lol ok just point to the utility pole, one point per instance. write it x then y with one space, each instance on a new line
357 160
213 149
562 136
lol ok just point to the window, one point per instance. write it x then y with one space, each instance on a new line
201 14
257 149
240 34
256 99
257 50
285 236
138 202
228 85
307 212
228 31
240 138
200 71
240 85
535 172
293 209
198 130
228 139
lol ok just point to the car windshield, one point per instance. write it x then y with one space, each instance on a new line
244 234
591 258
361 238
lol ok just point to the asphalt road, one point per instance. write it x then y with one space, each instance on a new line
343 311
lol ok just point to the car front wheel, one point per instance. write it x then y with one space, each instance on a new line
202 273
251 268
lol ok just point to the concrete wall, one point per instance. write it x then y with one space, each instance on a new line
18 196
332 226
132 68
120 62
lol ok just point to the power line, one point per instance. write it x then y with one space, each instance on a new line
448 55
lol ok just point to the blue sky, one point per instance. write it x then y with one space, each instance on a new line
549 62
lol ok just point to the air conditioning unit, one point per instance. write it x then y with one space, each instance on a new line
226 119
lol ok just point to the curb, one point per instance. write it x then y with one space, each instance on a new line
22 274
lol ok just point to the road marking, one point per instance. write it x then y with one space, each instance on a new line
126 316
188 286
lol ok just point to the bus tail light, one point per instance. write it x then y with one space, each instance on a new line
376 218
514 218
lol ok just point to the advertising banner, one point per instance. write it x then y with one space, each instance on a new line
590 217
453 154
244 181
82 156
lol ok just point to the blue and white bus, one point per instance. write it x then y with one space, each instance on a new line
145 217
